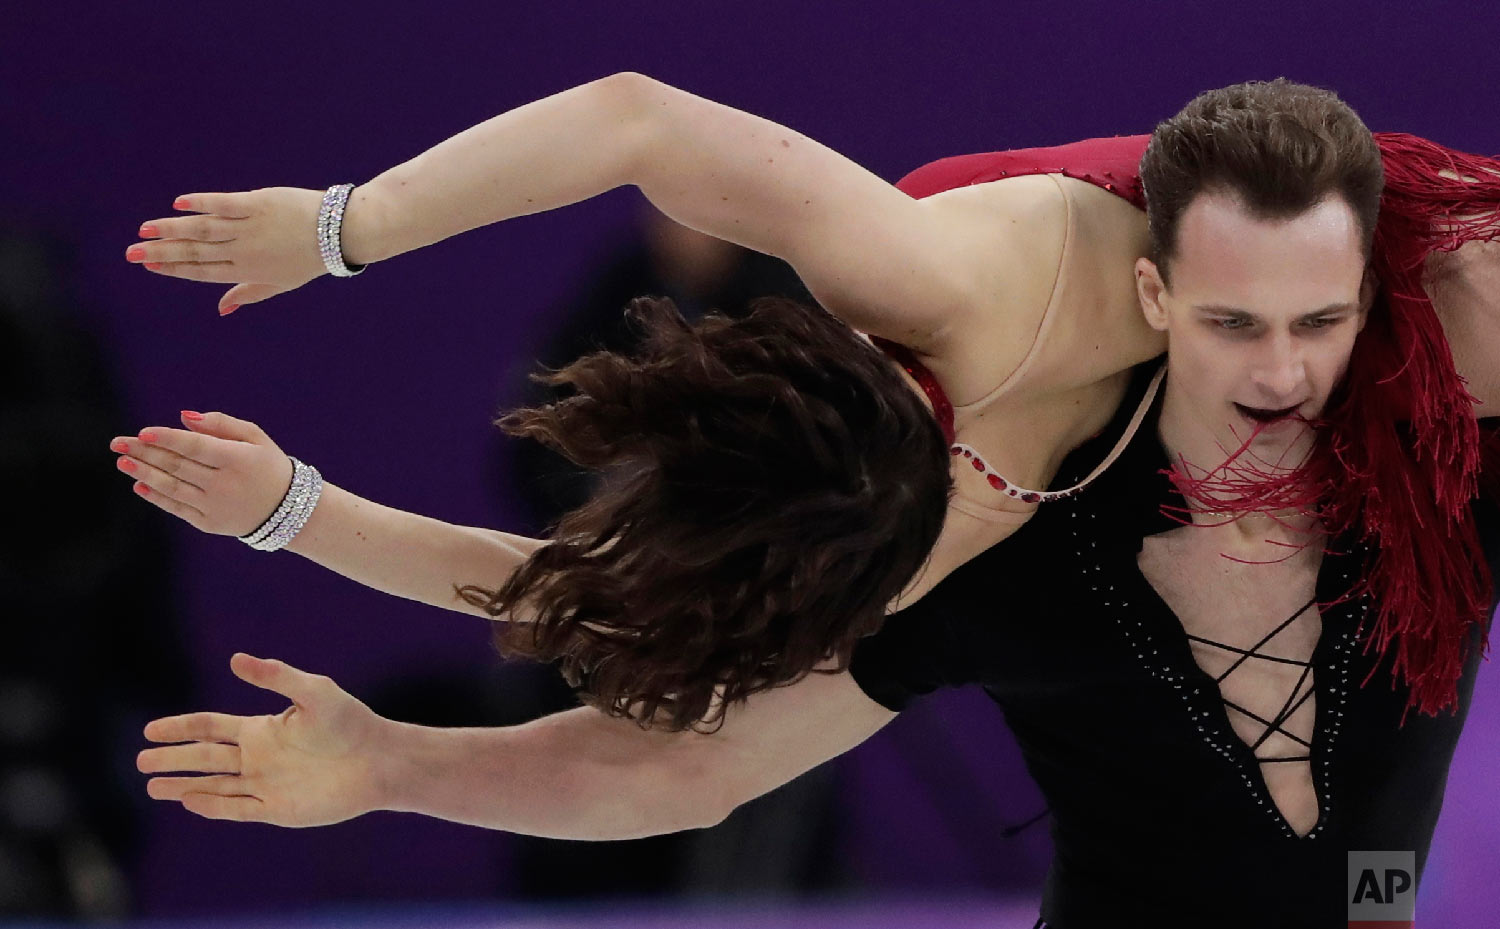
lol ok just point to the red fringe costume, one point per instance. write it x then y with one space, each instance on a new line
1397 455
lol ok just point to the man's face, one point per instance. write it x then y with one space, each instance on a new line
1260 320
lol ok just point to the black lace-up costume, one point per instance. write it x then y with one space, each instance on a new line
1298 695
1160 814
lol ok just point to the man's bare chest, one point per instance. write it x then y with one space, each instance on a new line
1253 628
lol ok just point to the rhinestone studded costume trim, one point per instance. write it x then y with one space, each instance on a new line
942 409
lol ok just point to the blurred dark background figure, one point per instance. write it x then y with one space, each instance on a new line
92 644
786 842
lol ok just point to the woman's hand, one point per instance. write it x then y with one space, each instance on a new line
222 475
312 765
264 241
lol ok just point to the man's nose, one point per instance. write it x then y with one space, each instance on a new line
1280 371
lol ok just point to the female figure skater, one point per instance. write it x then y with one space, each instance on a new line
785 520
725 567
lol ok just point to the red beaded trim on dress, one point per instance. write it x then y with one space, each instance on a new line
942 409
1001 484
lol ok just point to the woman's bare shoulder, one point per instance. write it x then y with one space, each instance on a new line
1017 228
1056 245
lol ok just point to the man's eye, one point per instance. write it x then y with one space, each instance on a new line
1232 322
1321 322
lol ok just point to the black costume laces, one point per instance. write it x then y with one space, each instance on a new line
1293 701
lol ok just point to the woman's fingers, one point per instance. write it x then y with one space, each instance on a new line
179 250
204 449
220 425
161 481
263 241
164 484
166 471
216 272
222 475
231 206
241 294
175 788
197 757
200 727
192 228
194 247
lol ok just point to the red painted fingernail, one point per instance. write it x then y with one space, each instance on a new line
135 253
189 414
142 489
127 464
229 309
181 203
149 232
121 446
154 265
148 437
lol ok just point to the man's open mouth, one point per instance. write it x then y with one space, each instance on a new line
1266 416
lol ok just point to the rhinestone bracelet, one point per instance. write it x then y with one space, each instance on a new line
295 509
299 481
330 227
301 511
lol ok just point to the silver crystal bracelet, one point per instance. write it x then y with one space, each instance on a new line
283 525
330 229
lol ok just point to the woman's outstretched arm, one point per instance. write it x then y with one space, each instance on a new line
576 775
224 476
407 554
906 269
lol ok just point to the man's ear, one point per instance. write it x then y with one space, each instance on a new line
1367 289
1149 287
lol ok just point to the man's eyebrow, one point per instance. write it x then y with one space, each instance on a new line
1328 310
1222 310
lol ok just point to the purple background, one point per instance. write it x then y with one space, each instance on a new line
387 382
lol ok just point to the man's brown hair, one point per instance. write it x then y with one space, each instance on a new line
1281 147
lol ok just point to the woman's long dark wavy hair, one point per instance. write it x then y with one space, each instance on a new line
774 484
